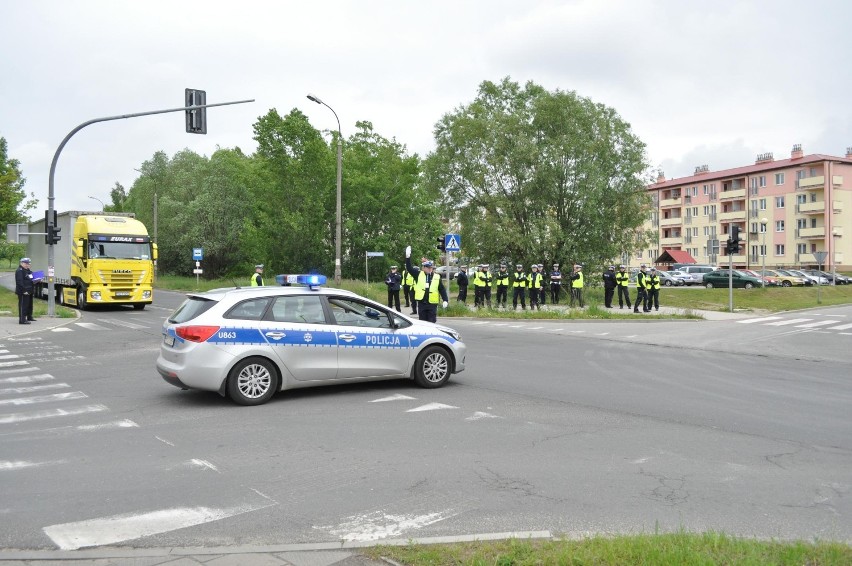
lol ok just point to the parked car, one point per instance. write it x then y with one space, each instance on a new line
687 278
725 278
249 343
668 278
442 271
698 270
836 277
787 279
768 281
815 279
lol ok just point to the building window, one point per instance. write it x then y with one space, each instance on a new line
762 250
801 199
695 231
779 202
762 228
779 178
762 180
801 248
706 210
706 190
763 204
779 249
813 197
813 222
779 225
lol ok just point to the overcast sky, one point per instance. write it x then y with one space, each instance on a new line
699 82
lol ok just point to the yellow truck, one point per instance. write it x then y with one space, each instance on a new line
103 258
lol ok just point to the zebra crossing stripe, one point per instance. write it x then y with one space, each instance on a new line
815 324
763 319
786 322
44 398
90 326
20 417
841 327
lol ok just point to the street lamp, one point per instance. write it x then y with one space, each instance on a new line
834 236
316 99
763 223
100 201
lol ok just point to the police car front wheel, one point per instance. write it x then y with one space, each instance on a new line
252 382
432 368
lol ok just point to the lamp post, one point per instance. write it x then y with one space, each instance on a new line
763 223
316 99
832 259
100 201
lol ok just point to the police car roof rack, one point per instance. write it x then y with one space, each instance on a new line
312 280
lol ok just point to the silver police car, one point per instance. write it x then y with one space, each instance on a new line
248 343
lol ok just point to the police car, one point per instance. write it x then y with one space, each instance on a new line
248 343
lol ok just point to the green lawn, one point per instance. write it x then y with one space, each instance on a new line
682 549
9 306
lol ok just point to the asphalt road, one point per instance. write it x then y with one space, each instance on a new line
738 426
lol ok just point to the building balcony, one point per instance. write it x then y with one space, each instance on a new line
671 221
737 193
818 207
670 202
818 232
732 215
817 182
674 241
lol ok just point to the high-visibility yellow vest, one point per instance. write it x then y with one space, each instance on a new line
578 283
407 278
652 282
622 278
534 281
479 279
420 288
520 280
257 280
502 279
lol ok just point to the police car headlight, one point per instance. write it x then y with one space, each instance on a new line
449 331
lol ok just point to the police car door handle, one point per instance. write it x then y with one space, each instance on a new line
275 335
347 337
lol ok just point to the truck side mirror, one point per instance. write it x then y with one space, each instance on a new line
154 251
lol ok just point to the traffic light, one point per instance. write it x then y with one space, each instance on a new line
734 240
51 228
440 245
196 120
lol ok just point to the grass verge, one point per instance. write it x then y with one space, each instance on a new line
9 306
680 548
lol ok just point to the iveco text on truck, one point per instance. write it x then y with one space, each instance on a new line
103 258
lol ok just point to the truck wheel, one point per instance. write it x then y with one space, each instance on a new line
82 304
138 306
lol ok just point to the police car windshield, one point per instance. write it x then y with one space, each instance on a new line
119 250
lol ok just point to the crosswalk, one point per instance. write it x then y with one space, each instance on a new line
834 324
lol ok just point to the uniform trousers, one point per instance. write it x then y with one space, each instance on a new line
25 307
609 292
654 299
623 296
462 293
554 293
519 292
427 311
502 293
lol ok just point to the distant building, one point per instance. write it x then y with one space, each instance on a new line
786 211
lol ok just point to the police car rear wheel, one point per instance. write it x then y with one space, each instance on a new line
252 382
432 368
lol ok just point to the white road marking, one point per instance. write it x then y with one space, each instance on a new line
119 528
481 322
50 413
10 357
841 327
430 407
32 388
12 364
44 398
481 415
535 328
19 370
164 441
790 321
762 319
556 329
815 324
397 397
27 378
500 324
62 329
90 326
126 423
380 525
203 464
125 323
516 326
20 464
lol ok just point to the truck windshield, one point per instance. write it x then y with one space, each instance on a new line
119 250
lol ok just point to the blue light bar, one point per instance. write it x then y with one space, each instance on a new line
309 279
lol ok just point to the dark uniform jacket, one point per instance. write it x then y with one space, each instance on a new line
23 281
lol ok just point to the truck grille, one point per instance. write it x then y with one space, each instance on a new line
122 278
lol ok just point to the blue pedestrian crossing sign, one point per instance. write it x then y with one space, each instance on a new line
452 242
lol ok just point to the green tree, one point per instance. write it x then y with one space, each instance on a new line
13 207
536 176
118 196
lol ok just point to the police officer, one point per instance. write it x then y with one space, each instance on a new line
24 287
622 280
535 281
479 286
652 286
462 281
609 286
542 293
488 277
257 276
408 292
519 287
428 288
394 281
502 280
641 294
555 284
577 282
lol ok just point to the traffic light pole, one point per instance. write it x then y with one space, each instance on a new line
730 279
51 286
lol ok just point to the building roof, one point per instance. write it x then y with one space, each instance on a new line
747 170
675 256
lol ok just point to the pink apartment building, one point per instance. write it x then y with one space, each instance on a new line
786 211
